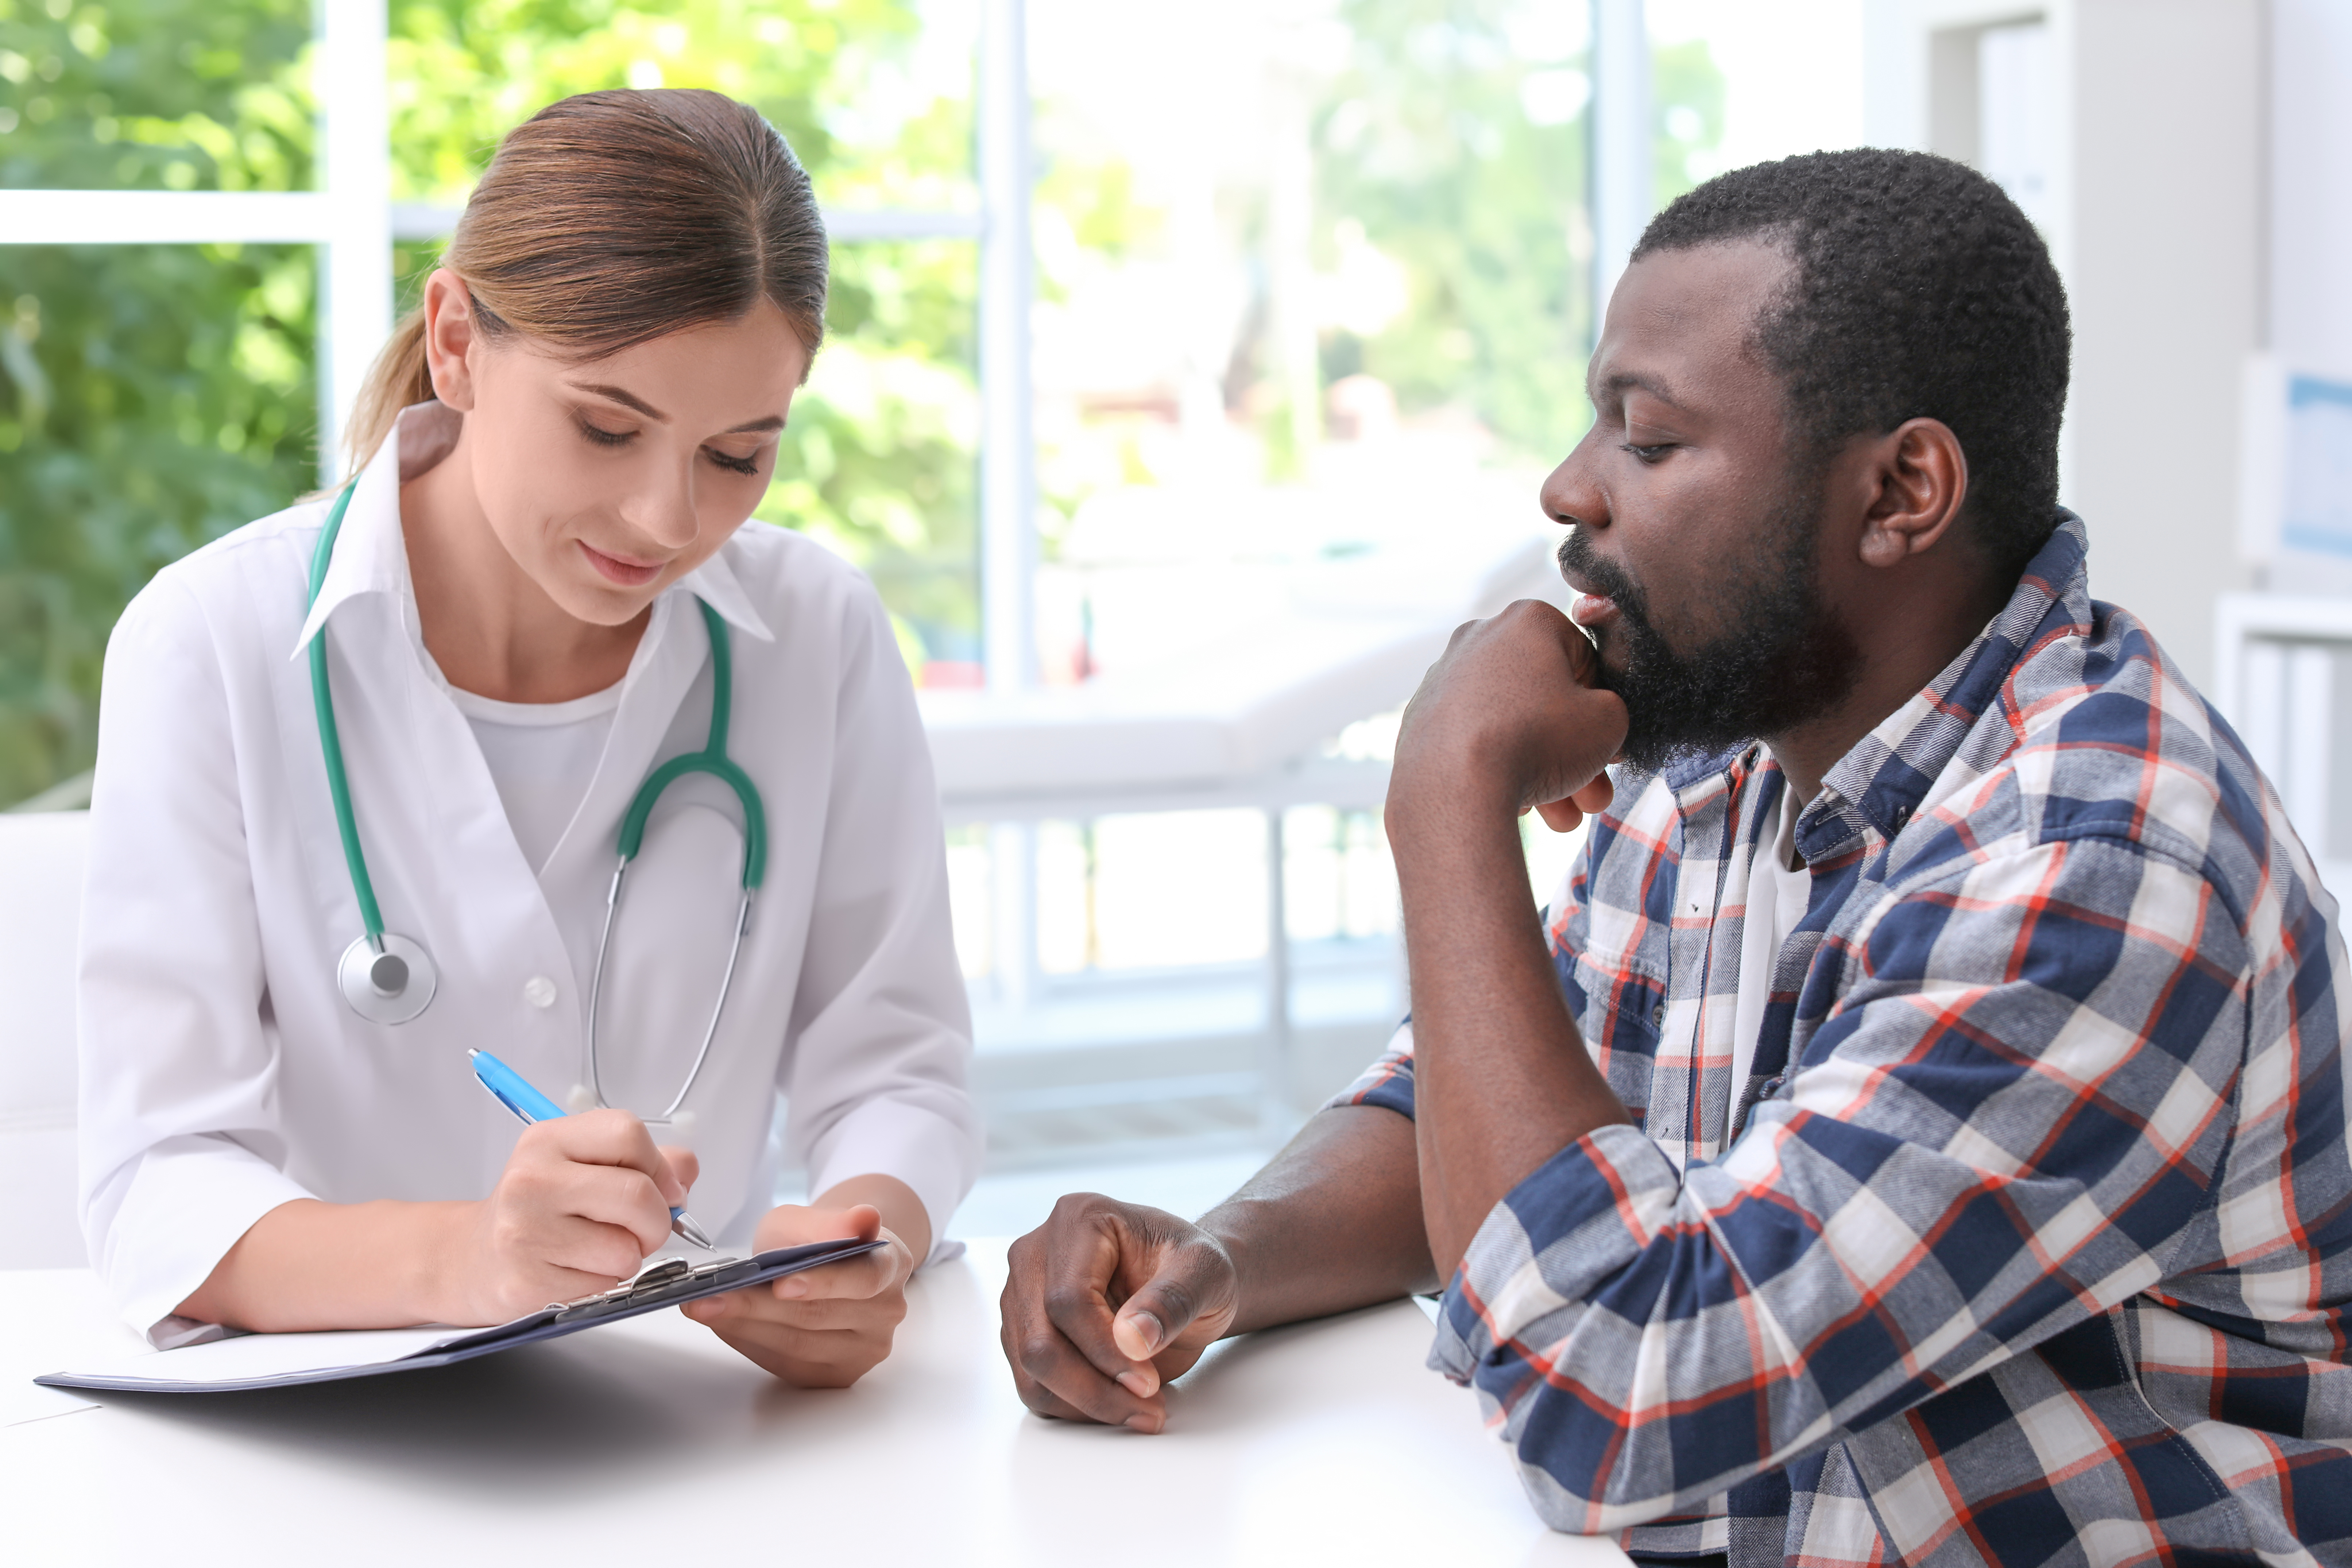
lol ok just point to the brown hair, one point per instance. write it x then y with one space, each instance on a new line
611 219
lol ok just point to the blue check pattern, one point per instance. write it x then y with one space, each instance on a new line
2028 1239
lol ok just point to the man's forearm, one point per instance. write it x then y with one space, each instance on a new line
1333 1223
1501 1080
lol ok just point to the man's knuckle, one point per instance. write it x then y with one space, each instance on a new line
1040 1354
1069 1299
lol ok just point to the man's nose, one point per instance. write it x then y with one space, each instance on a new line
1571 493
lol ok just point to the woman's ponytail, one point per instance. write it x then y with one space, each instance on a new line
398 377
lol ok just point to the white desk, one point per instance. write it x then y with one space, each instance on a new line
1322 1443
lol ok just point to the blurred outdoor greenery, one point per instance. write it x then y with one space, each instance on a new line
150 397
155 397
1456 139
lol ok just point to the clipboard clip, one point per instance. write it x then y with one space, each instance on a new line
662 1274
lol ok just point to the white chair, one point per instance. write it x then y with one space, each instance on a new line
41 858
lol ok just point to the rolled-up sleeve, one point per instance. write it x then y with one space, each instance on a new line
876 1075
180 1145
2008 1121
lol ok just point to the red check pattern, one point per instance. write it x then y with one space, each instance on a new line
2028 1239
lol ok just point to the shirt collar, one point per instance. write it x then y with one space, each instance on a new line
372 556
1883 778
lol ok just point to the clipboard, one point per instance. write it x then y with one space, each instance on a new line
283 1361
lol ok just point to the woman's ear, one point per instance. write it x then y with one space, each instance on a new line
451 334
1923 480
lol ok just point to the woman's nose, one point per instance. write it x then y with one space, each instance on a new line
662 509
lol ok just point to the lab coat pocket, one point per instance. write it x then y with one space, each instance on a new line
668 957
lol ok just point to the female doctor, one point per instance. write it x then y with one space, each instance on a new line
537 590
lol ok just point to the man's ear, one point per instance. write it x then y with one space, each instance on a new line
451 334
1922 481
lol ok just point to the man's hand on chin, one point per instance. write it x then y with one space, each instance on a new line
1509 718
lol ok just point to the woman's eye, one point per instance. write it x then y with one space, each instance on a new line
735 465
607 437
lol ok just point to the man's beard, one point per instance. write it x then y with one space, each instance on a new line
1786 658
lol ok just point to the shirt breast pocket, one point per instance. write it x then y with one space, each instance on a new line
1620 1010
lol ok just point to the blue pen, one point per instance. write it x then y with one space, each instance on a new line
514 1091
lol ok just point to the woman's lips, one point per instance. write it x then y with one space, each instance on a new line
1592 609
627 574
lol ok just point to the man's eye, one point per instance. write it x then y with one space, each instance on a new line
1648 454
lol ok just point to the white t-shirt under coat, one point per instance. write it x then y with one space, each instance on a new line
1778 886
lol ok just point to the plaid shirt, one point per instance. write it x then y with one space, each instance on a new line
2028 1240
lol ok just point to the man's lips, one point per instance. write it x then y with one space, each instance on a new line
1588 609
619 569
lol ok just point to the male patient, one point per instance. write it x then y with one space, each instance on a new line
1916 1131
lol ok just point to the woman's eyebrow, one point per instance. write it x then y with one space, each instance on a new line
624 399
630 400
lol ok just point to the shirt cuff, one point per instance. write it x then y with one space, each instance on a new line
186 1203
1387 1082
1537 1260
936 1157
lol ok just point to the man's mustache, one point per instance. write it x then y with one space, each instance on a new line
1575 554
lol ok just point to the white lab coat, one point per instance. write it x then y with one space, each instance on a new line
221 1072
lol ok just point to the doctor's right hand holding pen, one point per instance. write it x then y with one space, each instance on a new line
582 1201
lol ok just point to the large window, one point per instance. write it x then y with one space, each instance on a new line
208 216
1171 348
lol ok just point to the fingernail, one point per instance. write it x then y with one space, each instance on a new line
1148 1327
1142 1422
1135 1383
793 1289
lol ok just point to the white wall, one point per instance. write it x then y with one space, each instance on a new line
2158 218
2310 188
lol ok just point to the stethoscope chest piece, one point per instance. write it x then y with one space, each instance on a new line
389 986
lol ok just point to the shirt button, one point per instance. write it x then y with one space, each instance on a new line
1658 1016
539 992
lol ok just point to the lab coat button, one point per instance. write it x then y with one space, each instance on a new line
539 992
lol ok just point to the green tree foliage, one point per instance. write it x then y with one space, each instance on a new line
1457 137
878 461
153 397
150 397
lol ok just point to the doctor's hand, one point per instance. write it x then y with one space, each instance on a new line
1105 1303
581 1204
826 1328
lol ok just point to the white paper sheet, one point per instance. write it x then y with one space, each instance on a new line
275 1355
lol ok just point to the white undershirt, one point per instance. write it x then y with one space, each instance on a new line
541 756
1778 886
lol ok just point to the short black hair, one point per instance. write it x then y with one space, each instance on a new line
1919 292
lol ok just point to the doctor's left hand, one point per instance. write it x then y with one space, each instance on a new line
826 1328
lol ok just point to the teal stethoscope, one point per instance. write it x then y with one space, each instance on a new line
389 979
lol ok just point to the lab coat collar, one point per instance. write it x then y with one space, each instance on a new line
372 556
714 583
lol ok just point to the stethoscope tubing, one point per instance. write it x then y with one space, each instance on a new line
331 738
